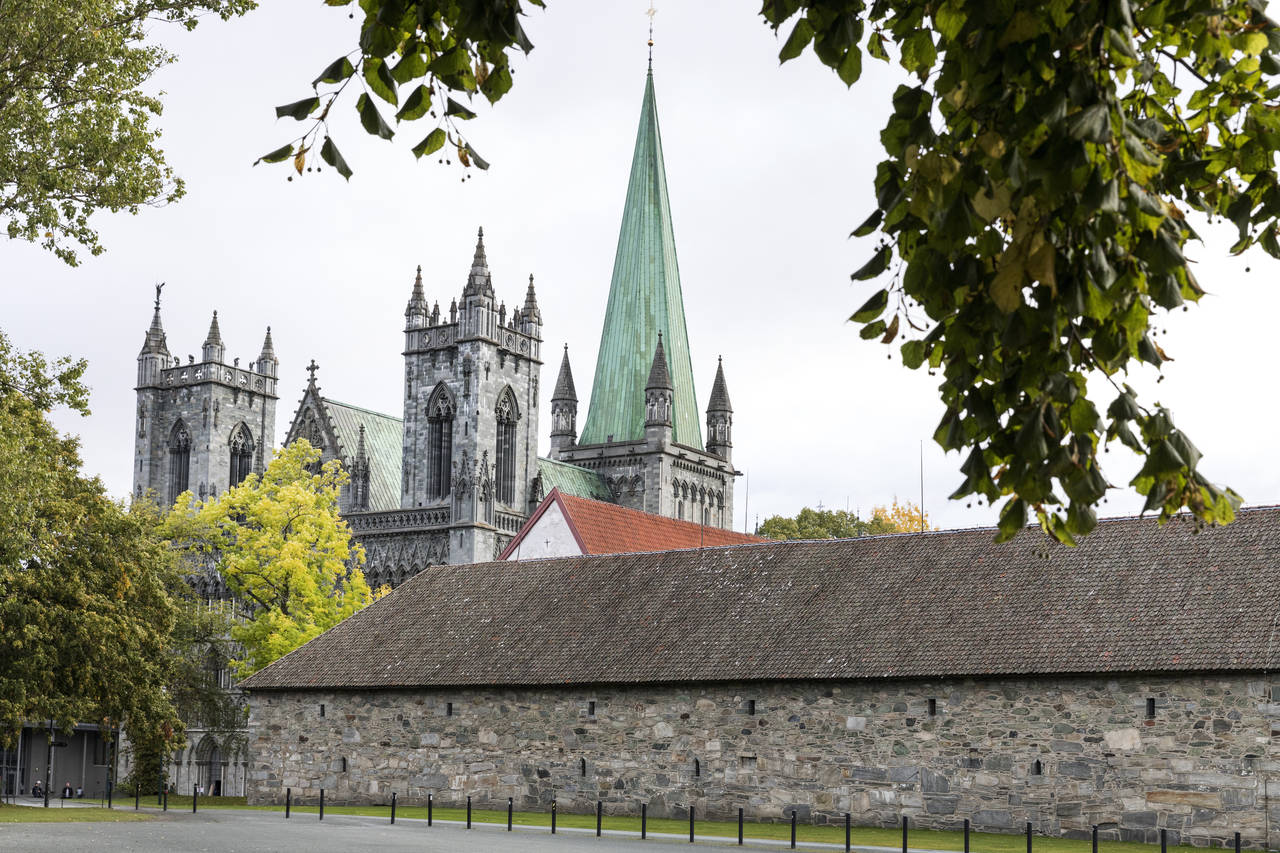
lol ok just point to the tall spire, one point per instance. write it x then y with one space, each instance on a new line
212 348
267 361
659 376
416 311
531 312
719 401
155 342
644 297
564 382
478 281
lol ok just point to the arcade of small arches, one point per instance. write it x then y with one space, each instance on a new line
695 502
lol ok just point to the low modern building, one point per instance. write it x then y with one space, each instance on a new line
1127 683
55 757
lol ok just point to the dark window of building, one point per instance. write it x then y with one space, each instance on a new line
179 460
933 707
504 457
591 708
242 447
583 767
1036 768
751 707
1151 707
448 709
747 762
697 767
439 444
344 764
322 710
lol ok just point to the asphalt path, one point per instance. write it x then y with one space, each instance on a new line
232 831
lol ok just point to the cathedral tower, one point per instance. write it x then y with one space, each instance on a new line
642 432
471 412
201 426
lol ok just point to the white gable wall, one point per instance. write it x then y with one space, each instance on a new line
549 536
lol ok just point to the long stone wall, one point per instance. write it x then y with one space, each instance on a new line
1064 754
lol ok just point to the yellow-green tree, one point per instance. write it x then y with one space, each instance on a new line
283 550
904 517
841 524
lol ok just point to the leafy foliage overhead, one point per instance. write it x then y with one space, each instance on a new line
283 550
1031 210
75 124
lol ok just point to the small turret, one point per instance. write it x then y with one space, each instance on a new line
659 398
268 364
453 311
720 417
435 314
415 313
360 476
154 356
564 407
479 282
530 316
212 349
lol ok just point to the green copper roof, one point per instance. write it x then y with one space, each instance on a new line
572 480
644 299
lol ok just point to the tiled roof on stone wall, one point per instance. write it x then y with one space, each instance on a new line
1133 597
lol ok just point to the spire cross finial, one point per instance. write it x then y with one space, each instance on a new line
651 12
159 287
311 369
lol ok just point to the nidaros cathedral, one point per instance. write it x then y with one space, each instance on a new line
453 480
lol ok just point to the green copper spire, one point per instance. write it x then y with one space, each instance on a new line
644 299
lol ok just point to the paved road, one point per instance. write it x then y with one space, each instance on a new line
228 831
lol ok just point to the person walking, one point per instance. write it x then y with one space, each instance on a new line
67 791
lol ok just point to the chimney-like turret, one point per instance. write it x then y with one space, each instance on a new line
564 407
720 417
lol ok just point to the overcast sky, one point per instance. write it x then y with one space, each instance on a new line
769 170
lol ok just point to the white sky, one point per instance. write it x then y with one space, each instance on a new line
769 170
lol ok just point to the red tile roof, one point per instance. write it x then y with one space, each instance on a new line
604 528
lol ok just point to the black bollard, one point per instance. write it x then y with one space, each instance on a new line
904 834
1028 836
428 809
322 803
966 837
393 806
468 812
793 829
288 802
1237 842
690 823
644 821
848 833
599 815
195 797
136 791
739 826
164 803
1164 841
108 794
510 805
553 817
160 791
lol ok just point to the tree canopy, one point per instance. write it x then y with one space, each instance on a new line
85 616
841 524
1031 211
283 549
76 133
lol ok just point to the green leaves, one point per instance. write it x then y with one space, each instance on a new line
872 308
380 81
299 109
280 154
371 119
799 39
432 143
456 109
337 71
329 153
416 105
872 268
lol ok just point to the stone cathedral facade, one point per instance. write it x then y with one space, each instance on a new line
456 475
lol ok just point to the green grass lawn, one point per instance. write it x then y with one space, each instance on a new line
54 814
867 836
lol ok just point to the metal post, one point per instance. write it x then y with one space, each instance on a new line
1095 838
1028 836
966 836
288 802
136 793
600 817
1164 841
160 790
1237 842
164 802
322 803
553 817
468 812
793 829
393 807
428 809
195 797
739 826
690 823
510 806
644 821
904 834
848 833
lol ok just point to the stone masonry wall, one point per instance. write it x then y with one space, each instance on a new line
1202 766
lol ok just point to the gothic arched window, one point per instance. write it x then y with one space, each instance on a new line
179 460
504 457
439 442
242 448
